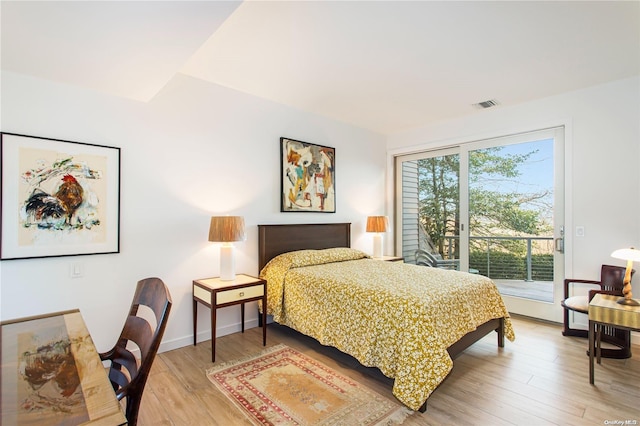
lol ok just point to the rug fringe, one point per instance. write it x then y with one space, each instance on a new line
396 418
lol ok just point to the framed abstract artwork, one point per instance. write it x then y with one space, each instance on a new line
308 181
59 198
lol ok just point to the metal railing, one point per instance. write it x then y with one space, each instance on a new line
491 258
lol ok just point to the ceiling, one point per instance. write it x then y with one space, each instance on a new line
381 65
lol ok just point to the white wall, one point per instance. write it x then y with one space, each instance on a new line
198 149
194 151
602 153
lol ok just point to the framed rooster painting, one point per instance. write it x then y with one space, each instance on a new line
59 198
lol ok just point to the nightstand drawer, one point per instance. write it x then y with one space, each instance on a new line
229 296
202 294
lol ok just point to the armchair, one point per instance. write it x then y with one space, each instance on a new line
611 282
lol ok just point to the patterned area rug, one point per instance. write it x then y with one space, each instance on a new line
281 386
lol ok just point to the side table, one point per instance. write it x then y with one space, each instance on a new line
604 310
215 293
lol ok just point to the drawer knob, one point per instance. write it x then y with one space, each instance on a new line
242 294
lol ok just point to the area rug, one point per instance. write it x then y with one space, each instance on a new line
281 386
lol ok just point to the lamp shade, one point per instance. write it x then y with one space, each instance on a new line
627 254
377 224
226 229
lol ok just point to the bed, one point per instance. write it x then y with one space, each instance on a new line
407 320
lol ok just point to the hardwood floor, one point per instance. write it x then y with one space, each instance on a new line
541 378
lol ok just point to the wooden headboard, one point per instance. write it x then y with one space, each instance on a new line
277 239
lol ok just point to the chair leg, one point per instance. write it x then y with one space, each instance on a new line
622 341
568 331
574 332
620 338
133 407
622 353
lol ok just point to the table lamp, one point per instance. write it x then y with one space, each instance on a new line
226 230
630 255
378 225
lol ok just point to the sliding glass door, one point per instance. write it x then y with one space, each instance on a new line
492 207
431 204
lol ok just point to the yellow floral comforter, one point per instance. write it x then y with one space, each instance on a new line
398 317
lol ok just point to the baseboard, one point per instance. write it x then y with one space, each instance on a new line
181 342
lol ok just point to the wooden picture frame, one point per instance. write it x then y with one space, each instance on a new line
307 177
59 198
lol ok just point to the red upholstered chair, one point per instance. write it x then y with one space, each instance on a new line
611 282
128 375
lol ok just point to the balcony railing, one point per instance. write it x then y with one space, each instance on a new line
491 258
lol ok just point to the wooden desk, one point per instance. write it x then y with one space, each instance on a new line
604 310
215 293
52 374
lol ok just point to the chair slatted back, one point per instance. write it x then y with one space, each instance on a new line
129 375
612 278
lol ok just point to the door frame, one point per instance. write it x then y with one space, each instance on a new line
553 311
532 308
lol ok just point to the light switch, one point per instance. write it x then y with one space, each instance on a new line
76 270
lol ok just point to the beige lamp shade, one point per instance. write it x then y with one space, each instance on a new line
226 229
377 224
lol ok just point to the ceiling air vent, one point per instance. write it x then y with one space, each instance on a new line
486 104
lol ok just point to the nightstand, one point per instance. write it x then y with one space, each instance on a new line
390 258
215 293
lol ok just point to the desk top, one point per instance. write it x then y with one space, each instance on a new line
606 309
52 374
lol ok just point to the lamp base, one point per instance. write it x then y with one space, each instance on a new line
227 263
377 245
628 302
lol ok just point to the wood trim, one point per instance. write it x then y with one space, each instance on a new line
277 239
36 317
496 324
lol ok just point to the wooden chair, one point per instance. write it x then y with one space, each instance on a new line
128 375
611 282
